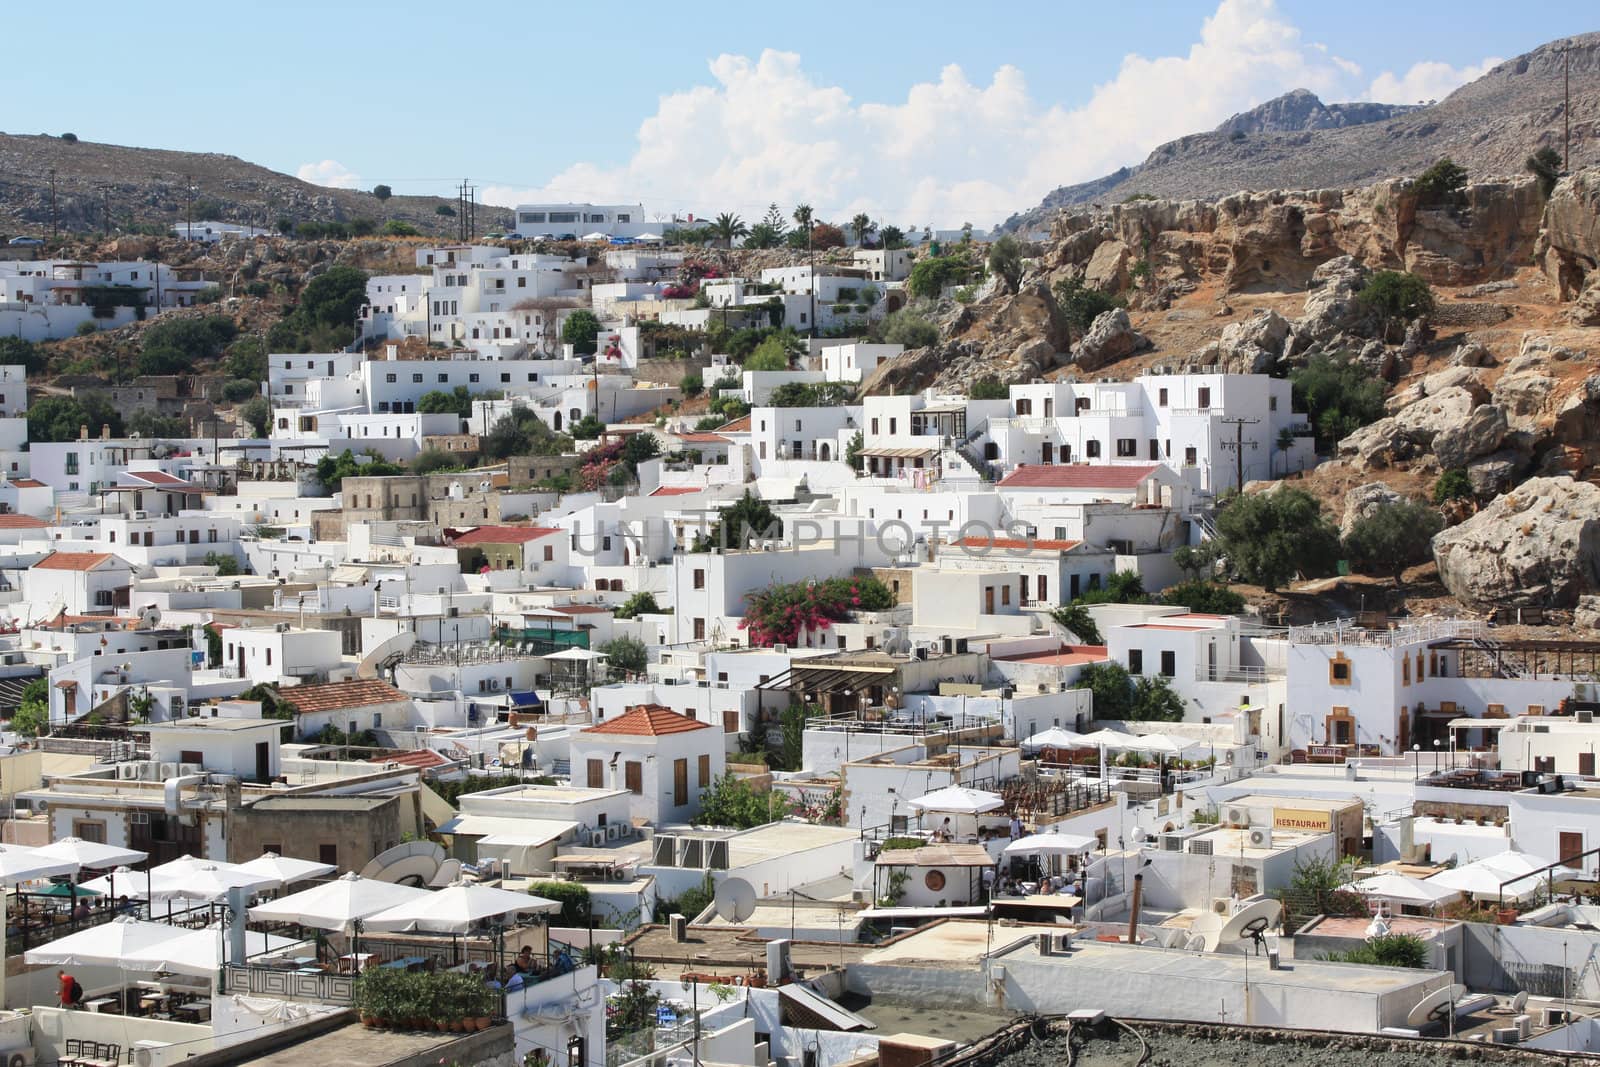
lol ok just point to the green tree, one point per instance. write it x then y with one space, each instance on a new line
14 350
31 719
1545 164
906 327
522 433
445 211
792 725
640 603
727 228
1441 182
1075 618
587 428
1453 484
576 907
892 237
1154 700
804 217
238 390
989 388
1396 296
747 519
434 461
625 656
862 225
1122 587
691 385
852 451
226 563
60 418
581 330
771 354
1005 260
332 470
1112 689
731 802
933 274
1082 304
257 413
1203 597
382 192
439 402
761 235
1270 537
247 359
1393 537
774 221
1338 396
399 228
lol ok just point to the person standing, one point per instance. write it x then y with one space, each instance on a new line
71 993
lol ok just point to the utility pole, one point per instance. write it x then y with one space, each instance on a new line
1237 445
105 209
52 202
188 206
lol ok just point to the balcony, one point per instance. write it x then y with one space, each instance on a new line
1246 675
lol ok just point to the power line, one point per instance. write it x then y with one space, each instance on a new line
1238 422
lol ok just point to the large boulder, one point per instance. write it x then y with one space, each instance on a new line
1538 545
1568 247
1479 434
1472 354
1111 337
1363 501
1587 614
1495 474
1254 345
1409 432
1108 267
1525 398
1333 308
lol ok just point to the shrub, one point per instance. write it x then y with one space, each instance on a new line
227 564
906 327
1386 950
399 228
70 138
445 211
1206 598
1075 618
438 402
257 288
930 276
580 330
776 615
1393 537
1441 182
59 418
1082 304
1154 700
1339 397
745 520
732 802
1397 295
382 192
1005 260
87 328
641 603
587 428
625 656
692 385
211 294
1453 484
989 388
573 898
238 390
257 412
1112 689
771 354
435 461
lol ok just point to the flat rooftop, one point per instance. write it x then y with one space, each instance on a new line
356 1046
1234 842
732 950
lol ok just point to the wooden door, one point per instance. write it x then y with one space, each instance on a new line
680 782
597 774
1586 764
633 777
1570 845
988 601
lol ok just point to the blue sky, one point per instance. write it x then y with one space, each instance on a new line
918 113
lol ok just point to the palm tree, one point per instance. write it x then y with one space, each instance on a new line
728 227
863 226
1285 445
803 217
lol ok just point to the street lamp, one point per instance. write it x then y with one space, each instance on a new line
1416 758
1436 744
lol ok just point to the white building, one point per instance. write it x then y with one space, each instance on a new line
663 759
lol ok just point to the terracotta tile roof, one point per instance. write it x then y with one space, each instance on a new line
739 425
73 561
336 696
157 477
28 483
676 490
13 521
502 535
648 720
700 438
1034 544
425 759
580 609
1078 476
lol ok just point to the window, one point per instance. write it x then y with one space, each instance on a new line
1190 457
1272 403
74 459
699 629
416 378
549 553
1135 661
699 578
1169 663
1205 397
680 782
89 830
1005 594
1091 448
730 722
390 378
1339 670
1161 398
1127 447
193 756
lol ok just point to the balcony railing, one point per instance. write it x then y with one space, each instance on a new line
1248 675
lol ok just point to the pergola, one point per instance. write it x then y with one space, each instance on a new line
1484 658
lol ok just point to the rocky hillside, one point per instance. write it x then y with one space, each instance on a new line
148 185
1296 142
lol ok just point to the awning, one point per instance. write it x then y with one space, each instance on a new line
525 700
822 1009
964 912
1470 723
516 833
1047 901
900 453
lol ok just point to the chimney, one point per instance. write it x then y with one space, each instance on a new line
680 929
83 432
105 431
1133 915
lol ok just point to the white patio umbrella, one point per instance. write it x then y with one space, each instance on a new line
18 864
595 236
336 905
185 864
110 944
198 952
457 909
211 882
1056 737
959 800
1404 889
1482 881
1513 863
1110 739
1035 844
90 853
1161 745
286 870
648 237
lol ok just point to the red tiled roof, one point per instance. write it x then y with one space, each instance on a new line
157 477
28 483
703 438
503 535
1164 626
12 521
739 425
676 490
648 720
1078 476
580 609
1065 656
337 696
73 561
1016 543
424 759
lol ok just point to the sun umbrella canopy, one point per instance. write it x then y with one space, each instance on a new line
110 944
337 904
1034 844
457 909
1513 863
185 865
1483 881
1056 737
958 799
648 237
1110 739
200 952
286 870
67 891
211 882
1405 889
1161 744
18 864
90 853
596 236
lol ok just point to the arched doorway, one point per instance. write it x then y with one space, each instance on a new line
824 452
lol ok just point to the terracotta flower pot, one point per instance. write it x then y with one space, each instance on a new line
484 1022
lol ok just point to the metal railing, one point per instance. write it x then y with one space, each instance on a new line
1246 674
288 984
1346 632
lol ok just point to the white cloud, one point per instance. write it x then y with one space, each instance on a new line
1428 80
953 150
330 173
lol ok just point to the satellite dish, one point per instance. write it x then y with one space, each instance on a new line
1194 943
1251 924
735 900
449 871
408 863
1206 927
149 616
1436 1007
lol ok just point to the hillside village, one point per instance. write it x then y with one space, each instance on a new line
804 642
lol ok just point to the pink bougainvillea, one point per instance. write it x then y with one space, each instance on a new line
780 613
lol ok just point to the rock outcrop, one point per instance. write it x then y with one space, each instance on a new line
1478 435
1538 545
1362 501
1110 338
1253 346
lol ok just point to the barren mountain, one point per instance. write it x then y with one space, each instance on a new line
1490 126
150 185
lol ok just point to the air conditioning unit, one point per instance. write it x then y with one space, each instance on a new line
169 770
1222 906
597 838
1172 842
613 832
781 649
1581 716
128 771
141 514
1236 816
1200 846
1260 837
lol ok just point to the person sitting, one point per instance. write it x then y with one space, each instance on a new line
524 961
